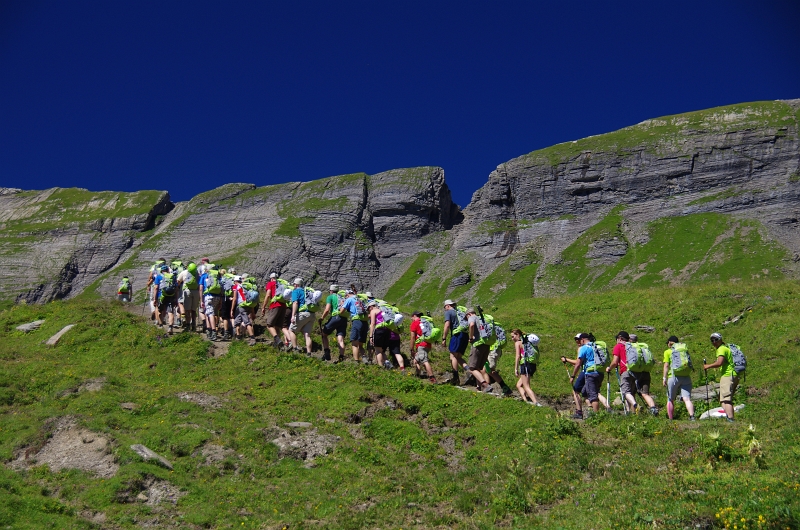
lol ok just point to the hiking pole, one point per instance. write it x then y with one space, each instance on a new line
708 400
622 396
608 393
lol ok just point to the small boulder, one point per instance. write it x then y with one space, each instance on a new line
31 326
52 341
148 454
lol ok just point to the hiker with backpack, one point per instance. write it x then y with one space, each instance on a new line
210 298
336 324
166 299
490 372
526 356
732 365
239 314
479 353
420 347
578 383
626 357
125 290
274 308
378 333
641 372
593 376
455 323
189 285
353 307
302 316
151 286
677 376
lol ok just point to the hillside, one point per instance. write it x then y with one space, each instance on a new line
384 450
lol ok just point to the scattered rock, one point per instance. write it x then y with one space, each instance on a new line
150 491
299 424
738 317
464 279
646 329
696 492
93 385
31 326
149 454
72 447
606 252
699 393
215 454
129 406
204 400
52 341
306 446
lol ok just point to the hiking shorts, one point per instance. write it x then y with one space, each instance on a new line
275 317
381 338
478 357
226 307
212 303
359 331
421 356
303 322
395 347
627 384
727 387
191 300
181 297
577 384
527 369
168 305
591 385
335 324
676 383
494 356
242 318
642 382
459 343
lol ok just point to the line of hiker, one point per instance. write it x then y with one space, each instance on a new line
226 304
632 361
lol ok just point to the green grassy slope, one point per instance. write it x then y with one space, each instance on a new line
410 453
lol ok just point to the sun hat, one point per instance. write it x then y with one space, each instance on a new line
449 302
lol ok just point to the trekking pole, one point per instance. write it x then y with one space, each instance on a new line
608 393
708 400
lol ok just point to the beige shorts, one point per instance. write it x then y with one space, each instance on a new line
422 355
494 356
727 387
304 322
191 300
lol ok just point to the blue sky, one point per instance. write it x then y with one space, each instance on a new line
186 96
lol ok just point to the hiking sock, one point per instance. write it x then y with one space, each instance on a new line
454 378
506 390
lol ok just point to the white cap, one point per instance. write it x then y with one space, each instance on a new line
273 275
334 287
237 278
449 302
298 281
368 294
232 270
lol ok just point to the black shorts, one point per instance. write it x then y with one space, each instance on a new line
591 387
395 347
527 369
225 310
381 338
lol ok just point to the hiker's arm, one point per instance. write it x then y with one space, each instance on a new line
573 362
445 330
664 377
325 311
235 302
715 364
578 363
473 329
614 363
295 306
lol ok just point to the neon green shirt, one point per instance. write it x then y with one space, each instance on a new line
726 370
668 361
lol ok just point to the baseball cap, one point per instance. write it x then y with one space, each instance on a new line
205 259
716 336
417 313
334 287
298 281
368 294
583 336
624 336
673 338
578 336
232 270
237 278
273 275
449 302
372 303
350 291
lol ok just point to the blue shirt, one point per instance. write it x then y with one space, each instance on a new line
299 296
586 354
157 282
202 281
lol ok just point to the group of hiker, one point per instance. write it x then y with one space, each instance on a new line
223 303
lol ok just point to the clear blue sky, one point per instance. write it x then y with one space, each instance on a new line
186 96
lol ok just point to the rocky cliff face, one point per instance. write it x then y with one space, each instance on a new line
54 243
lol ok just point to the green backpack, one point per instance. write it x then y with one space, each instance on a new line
680 361
212 285
644 360
124 286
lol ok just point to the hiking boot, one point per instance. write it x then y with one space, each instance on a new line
213 336
387 364
487 389
539 404
251 341
507 391
179 322
341 358
729 419
692 418
578 415
326 355
169 330
432 379
471 381
226 336
654 411
454 379
193 327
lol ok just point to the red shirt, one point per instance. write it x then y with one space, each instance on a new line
239 290
415 327
619 351
271 288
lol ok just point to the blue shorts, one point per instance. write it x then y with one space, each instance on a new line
335 324
577 385
358 331
459 343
